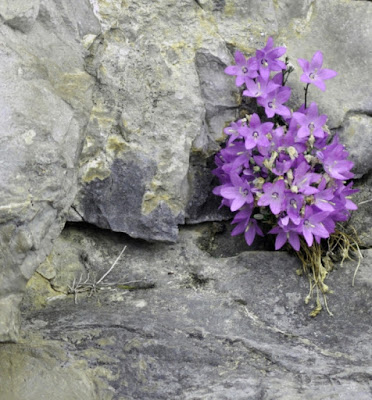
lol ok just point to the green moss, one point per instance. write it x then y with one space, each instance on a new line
98 172
115 145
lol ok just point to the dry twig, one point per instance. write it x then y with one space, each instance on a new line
92 286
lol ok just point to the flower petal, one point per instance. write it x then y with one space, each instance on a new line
327 73
294 240
232 70
281 238
317 60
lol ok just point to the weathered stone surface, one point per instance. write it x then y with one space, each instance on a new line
162 93
329 26
356 135
58 376
361 219
160 103
152 100
44 108
19 14
177 323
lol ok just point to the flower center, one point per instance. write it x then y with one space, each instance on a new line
293 203
308 224
244 192
275 195
245 70
255 134
311 126
258 92
264 62
312 75
271 104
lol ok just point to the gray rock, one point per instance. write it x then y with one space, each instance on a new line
356 135
20 15
45 105
330 27
113 202
361 219
155 83
174 322
57 377
160 102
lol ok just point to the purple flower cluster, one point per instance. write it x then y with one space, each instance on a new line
292 173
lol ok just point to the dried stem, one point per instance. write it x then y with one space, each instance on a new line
112 266
82 286
317 262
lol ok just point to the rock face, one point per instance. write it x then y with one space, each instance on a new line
158 88
134 107
111 113
356 134
45 104
186 321
361 219
162 99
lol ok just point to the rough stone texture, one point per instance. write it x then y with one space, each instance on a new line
361 219
329 26
57 377
199 327
162 95
20 15
160 102
44 106
159 87
356 135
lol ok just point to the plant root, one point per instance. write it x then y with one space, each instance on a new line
318 260
93 286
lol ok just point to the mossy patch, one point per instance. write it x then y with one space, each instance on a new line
98 172
38 291
115 145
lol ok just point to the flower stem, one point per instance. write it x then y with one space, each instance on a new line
306 89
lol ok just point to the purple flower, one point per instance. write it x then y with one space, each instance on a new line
282 164
273 102
310 195
293 204
285 234
267 59
312 225
334 158
239 192
303 180
259 87
251 231
323 198
342 196
255 134
313 72
246 224
273 196
233 130
310 122
243 68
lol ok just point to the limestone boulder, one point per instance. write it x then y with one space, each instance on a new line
161 89
44 106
